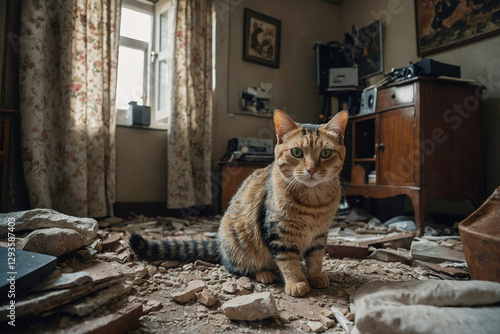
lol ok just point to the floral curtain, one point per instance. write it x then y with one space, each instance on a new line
68 57
190 122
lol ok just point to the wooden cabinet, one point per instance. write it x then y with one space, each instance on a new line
233 175
424 141
395 145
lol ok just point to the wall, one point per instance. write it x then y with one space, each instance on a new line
9 48
141 165
295 91
141 174
478 60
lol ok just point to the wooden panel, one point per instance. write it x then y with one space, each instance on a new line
350 251
396 150
395 97
451 139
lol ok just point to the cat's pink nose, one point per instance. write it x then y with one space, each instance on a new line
312 170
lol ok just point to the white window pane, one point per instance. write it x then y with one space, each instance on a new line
163 86
130 85
163 30
135 25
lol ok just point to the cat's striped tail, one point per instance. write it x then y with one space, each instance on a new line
184 251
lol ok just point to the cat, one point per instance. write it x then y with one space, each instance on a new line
280 215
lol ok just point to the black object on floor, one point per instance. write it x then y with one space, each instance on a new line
22 270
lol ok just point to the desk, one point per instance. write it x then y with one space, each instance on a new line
233 175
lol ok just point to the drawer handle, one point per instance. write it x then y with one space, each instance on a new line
393 96
380 147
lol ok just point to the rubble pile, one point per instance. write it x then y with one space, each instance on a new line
101 286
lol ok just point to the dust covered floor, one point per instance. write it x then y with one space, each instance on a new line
153 286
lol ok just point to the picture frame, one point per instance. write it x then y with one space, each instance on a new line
441 25
368 49
261 39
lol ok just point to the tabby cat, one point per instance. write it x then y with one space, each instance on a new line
281 213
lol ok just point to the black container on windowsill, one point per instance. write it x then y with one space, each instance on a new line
141 115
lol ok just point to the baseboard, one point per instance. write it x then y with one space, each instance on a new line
155 209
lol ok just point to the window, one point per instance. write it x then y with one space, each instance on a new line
164 44
144 59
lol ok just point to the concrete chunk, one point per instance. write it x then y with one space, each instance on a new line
316 326
229 287
252 307
206 297
431 251
64 281
46 218
190 292
52 241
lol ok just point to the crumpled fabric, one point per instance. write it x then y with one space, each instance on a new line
427 307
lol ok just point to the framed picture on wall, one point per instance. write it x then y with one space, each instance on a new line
261 39
368 49
445 24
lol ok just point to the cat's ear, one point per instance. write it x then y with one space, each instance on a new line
338 123
283 124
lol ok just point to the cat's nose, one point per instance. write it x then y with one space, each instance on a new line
312 170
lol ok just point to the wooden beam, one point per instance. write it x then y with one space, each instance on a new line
352 251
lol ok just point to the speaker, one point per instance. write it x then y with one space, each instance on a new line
368 101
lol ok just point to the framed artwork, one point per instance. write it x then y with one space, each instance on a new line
443 24
368 49
261 39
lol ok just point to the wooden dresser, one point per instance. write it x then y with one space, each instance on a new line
423 140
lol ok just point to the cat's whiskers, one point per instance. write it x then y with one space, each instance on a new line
290 183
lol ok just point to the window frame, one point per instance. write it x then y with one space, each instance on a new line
145 47
150 82
159 55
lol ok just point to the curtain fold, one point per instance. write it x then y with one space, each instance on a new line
190 121
68 58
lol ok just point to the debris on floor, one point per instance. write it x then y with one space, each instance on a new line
52 233
101 286
427 307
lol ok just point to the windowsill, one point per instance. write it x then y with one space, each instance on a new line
156 127
121 121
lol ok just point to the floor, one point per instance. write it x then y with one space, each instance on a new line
153 284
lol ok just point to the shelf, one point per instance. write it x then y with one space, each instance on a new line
249 113
365 159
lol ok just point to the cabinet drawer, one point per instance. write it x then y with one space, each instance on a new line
394 97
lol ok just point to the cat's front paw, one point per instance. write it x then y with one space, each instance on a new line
299 289
319 282
265 277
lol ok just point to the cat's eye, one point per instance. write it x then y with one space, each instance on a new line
297 152
326 153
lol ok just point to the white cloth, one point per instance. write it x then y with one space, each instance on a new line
427 307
